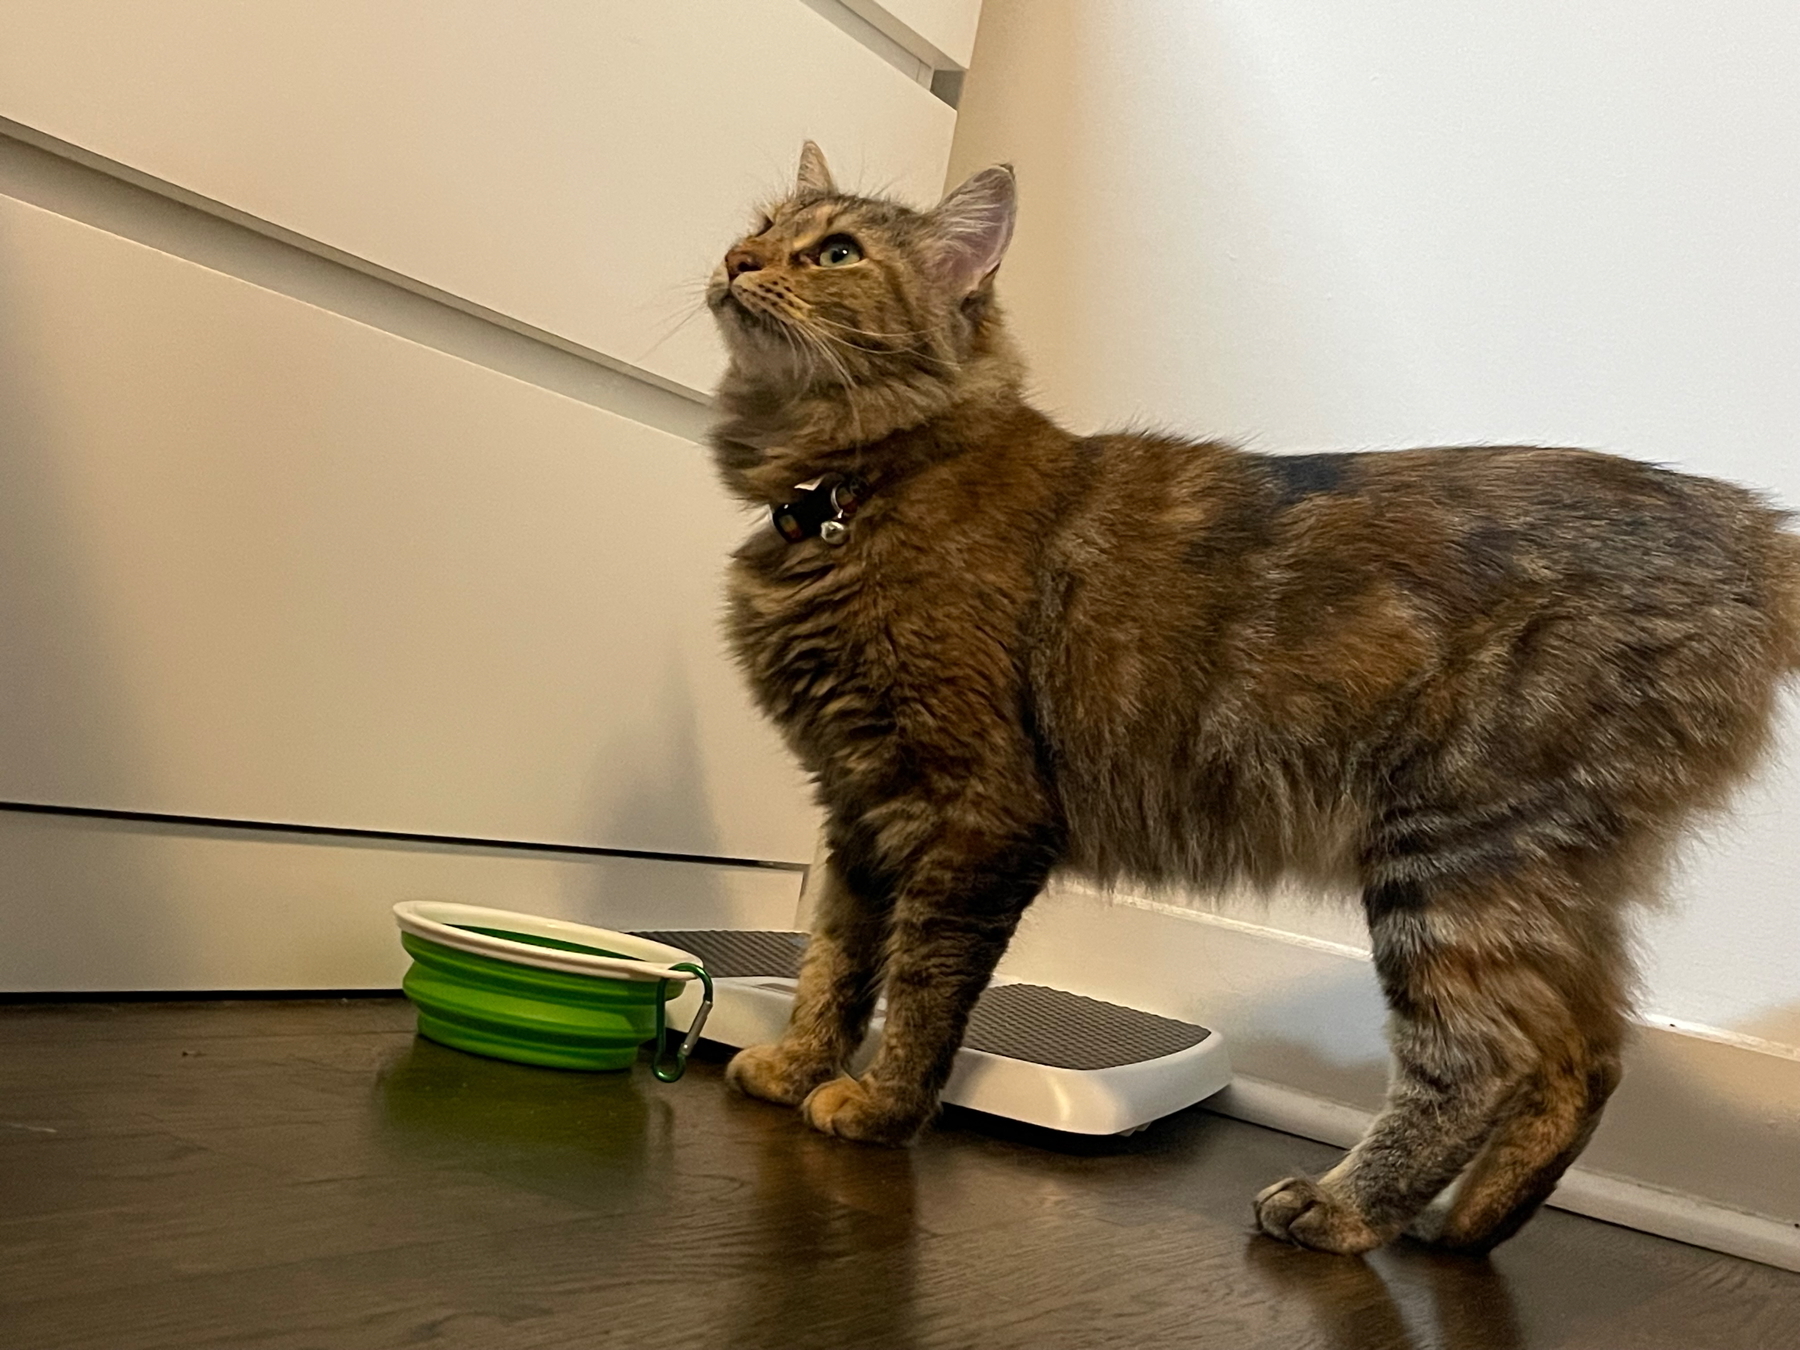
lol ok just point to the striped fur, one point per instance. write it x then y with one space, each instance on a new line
1489 686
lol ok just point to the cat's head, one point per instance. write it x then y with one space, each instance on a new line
835 290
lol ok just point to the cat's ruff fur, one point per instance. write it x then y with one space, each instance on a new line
1489 685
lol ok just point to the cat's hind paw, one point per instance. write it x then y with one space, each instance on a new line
1301 1211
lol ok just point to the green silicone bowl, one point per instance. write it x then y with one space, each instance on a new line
536 990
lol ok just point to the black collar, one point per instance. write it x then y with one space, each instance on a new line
823 509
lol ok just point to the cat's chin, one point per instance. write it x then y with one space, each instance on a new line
764 358
739 325
749 337
772 370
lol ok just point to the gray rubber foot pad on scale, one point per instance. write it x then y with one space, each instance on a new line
1028 1022
730 954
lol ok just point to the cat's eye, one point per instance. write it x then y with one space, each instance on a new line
839 251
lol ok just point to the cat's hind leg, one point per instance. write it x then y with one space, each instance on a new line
840 979
1543 1130
1475 971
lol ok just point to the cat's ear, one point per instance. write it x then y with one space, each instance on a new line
971 228
814 178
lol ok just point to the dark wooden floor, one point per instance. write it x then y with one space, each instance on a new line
307 1174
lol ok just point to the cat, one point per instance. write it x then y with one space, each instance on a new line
1488 687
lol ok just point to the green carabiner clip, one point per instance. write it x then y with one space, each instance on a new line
664 1073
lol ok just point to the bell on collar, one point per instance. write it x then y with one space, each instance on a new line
820 510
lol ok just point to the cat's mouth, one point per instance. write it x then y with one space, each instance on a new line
727 304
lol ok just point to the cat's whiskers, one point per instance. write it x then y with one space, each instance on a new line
872 332
802 353
914 349
820 342
673 326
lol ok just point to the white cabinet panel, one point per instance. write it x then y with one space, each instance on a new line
575 165
109 905
260 561
948 26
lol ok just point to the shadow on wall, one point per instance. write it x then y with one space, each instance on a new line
1691 1104
1184 244
1047 91
1299 1015
1779 1030
1289 1060
1719 948
648 784
67 735
648 792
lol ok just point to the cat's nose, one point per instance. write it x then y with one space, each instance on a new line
740 261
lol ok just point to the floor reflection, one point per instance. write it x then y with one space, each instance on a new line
589 1138
1407 1297
839 1220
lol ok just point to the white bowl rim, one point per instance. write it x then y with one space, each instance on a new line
448 924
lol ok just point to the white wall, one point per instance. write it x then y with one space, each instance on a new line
1312 225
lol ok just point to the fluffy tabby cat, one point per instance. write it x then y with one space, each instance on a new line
1487 686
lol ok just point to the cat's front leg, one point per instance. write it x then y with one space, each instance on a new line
953 918
839 979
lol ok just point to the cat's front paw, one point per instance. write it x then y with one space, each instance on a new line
1302 1211
776 1074
847 1108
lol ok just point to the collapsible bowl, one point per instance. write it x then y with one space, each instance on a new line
543 991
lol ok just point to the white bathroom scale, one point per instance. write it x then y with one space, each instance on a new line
1033 1054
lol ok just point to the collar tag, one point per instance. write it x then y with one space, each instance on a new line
823 509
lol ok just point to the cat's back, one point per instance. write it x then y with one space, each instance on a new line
1455 531
1238 623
